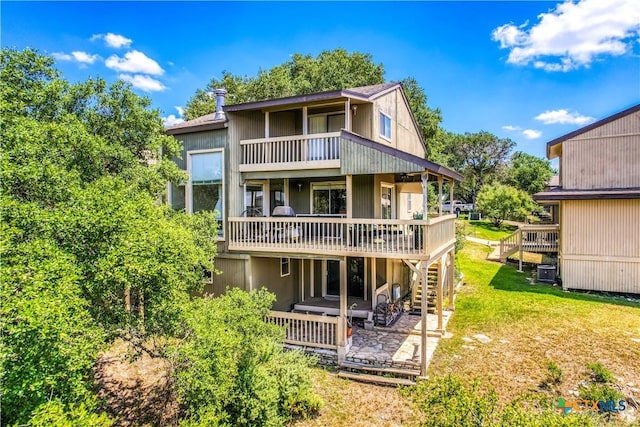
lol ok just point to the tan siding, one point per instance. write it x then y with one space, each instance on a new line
266 273
362 196
387 105
362 120
605 157
283 123
233 275
408 136
600 245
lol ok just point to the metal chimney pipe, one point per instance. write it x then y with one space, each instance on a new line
220 97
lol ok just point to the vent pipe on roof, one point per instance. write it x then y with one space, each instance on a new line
220 97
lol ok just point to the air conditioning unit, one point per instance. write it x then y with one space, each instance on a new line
547 273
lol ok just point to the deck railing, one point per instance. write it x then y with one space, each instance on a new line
341 236
530 238
308 329
319 150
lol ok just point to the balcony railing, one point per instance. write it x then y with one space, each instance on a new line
308 329
315 151
342 236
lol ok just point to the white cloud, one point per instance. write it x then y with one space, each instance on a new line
84 57
531 133
171 120
180 110
134 62
573 35
511 128
113 40
563 117
78 56
61 56
145 83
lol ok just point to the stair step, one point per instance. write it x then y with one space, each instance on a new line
375 379
383 370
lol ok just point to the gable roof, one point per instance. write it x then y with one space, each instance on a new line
364 93
592 126
199 124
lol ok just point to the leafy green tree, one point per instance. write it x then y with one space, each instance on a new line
231 365
82 169
500 202
528 173
479 157
303 74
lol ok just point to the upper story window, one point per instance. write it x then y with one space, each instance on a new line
205 188
385 126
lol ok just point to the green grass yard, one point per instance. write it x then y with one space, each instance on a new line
528 324
486 231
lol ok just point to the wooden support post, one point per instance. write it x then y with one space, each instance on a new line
425 195
440 195
451 185
452 280
347 114
521 251
439 291
342 320
312 279
266 124
423 325
349 190
301 280
374 284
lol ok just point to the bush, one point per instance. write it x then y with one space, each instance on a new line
55 414
599 373
500 202
231 366
554 375
450 402
598 392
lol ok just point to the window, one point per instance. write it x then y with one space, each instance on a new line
386 201
385 126
205 190
285 267
322 148
329 198
409 200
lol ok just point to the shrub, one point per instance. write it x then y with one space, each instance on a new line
231 366
599 373
598 392
55 413
554 375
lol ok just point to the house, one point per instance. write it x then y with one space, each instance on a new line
306 190
597 201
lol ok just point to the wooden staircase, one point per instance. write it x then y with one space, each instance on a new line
530 238
431 288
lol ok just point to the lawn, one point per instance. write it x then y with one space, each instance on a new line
487 231
528 326
531 324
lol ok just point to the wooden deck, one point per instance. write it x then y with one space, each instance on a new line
400 239
531 238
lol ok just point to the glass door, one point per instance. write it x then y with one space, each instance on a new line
254 203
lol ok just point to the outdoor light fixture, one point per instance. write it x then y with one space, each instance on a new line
299 187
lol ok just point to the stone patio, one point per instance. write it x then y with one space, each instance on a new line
395 346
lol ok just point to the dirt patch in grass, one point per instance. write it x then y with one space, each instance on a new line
136 391
350 403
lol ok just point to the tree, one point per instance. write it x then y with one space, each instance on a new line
499 202
81 171
303 74
479 157
528 173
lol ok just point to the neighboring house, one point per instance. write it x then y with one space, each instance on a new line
310 192
597 201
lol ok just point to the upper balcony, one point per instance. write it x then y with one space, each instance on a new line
315 151
318 235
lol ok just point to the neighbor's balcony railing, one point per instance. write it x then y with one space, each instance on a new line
342 236
315 151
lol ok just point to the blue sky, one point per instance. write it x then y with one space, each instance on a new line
530 71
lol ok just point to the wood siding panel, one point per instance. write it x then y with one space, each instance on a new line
266 273
200 141
358 159
283 123
605 157
233 275
362 120
408 139
362 202
386 104
600 247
